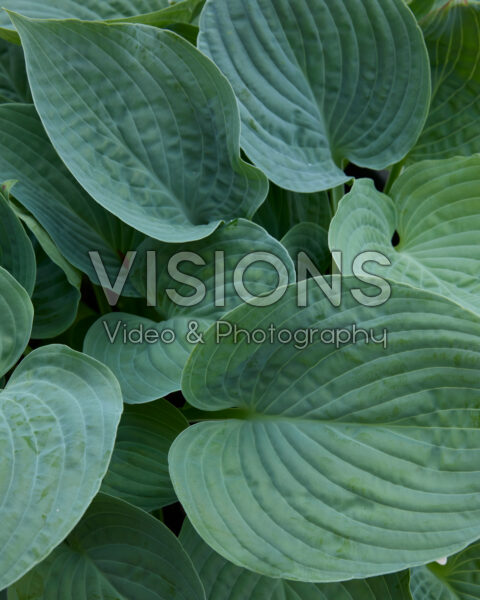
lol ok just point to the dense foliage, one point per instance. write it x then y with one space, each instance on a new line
240 300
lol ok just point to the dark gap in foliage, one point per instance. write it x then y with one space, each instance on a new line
173 517
379 177
395 239
176 399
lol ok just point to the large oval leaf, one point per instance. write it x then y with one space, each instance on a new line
152 12
76 223
116 552
224 581
339 462
452 34
138 472
16 251
321 81
16 312
435 209
164 158
459 579
58 420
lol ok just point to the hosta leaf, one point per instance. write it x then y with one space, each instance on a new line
452 34
282 210
47 244
337 463
146 368
138 472
420 8
13 76
16 251
16 312
59 416
49 192
459 579
224 581
54 299
320 82
164 158
435 209
151 12
214 261
116 552
309 239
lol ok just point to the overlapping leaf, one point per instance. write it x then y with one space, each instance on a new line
16 312
224 581
149 361
321 81
151 12
452 34
54 299
138 472
13 76
75 222
16 251
459 579
164 158
435 209
59 416
116 552
308 242
342 460
282 210
150 368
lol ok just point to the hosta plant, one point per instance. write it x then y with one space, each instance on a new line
240 300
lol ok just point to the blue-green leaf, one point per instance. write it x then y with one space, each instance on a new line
435 209
164 158
138 472
116 552
58 419
346 457
452 34
321 81
16 312
225 581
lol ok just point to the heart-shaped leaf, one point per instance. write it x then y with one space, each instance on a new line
49 192
116 552
16 312
54 299
164 158
459 579
16 252
159 13
435 209
320 82
59 416
224 581
138 472
452 34
353 449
